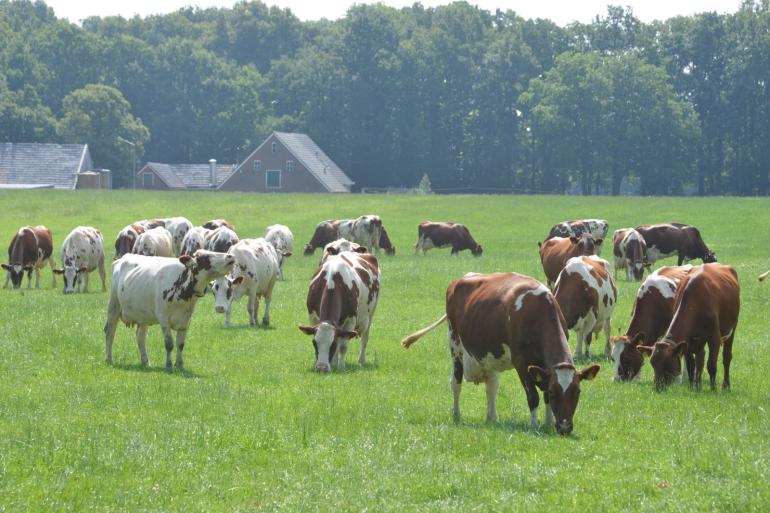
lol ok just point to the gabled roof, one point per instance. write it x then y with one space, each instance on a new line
306 151
36 165
189 176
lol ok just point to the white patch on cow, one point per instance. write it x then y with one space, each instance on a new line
617 349
533 418
665 286
479 370
565 377
335 265
537 291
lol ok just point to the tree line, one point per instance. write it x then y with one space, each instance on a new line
472 98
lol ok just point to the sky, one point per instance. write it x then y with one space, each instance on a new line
560 11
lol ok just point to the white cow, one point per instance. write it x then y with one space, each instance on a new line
153 290
364 230
255 272
81 253
194 240
154 242
178 228
221 239
282 240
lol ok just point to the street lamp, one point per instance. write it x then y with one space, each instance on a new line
133 159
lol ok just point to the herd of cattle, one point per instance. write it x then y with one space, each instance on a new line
496 322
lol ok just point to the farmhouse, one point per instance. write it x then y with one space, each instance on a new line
180 177
50 166
288 162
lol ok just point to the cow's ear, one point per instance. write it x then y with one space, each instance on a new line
308 330
83 269
645 350
6 267
187 260
574 239
588 373
28 267
680 348
332 250
537 374
638 338
347 334
287 254
58 271
647 264
237 281
361 249
598 242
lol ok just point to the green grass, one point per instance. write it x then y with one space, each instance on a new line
248 426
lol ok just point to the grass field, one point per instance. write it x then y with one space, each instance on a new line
248 426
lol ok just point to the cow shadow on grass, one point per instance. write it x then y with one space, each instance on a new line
147 369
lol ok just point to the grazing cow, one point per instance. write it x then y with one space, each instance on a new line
597 228
221 239
325 232
283 241
706 311
505 321
629 249
81 253
385 243
254 273
194 240
650 316
178 228
126 239
218 223
555 252
587 296
762 276
440 235
683 240
152 290
341 301
31 249
364 230
154 242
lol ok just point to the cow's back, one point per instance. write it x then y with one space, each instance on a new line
260 261
146 289
83 247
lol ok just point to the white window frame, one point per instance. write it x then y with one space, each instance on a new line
289 165
267 182
257 165
273 147
152 179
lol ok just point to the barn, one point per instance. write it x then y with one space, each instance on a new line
288 162
50 166
183 177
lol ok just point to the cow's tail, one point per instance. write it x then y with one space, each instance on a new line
763 276
414 337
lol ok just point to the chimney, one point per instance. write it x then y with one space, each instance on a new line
213 173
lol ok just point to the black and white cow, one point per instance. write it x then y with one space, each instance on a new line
178 228
81 253
221 239
194 240
629 250
282 239
154 242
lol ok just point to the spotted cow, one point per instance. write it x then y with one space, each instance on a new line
629 249
364 230
81 253
194 240
218 223
555 252
178 228
221 239
597 228
31 249
282 239
126 239
154 242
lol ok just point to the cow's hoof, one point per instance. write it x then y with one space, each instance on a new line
265 323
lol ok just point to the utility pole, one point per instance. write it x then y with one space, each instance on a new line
133 160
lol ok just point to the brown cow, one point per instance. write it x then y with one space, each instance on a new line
706 311
31 249
217 223
555 252
650 316
440 235
385 243
667 239
325 232
126 239
505 321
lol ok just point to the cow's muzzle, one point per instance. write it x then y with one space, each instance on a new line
322 367
219 309
564 427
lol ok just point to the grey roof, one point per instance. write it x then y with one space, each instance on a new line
189 176
36 165
315 161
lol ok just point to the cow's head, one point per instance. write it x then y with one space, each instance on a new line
71 274
666 360
710 257
390 251
586 244
17 273
208 265
477 250
308 250
223 290
325 341
628 361
561 383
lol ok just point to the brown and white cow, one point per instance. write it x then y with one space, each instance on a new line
505 321
154 242
668 239
385 243
218 223
221 239
597 228
194 240
440 235
81 253
650 316
126 239
338 246
587 296
629 249
706 311
324 233
31 249
341 302
555 252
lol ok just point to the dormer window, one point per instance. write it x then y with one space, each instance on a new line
257 165
289 165
273 147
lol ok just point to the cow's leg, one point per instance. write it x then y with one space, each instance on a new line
280 271
168 340
680 258
101 272
268 299
688 369
180 338
492 384
456 379
713 345
628 272
111 325
253 306
52 264
85 280
37 278
548 420
727 356
7 279
141 340
700 356
364 341
607 337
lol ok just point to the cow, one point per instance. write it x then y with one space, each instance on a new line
762 276
706 310
587 296
156 290
324 233
341 302
555 252
31 249
597 228
650 316
630 250
126 239
364 230
668 239
440 235
178 228
149 224
218 223
282 239
154 242
194 240
505 321
254 274
221 239
338 246
385 243
81 253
